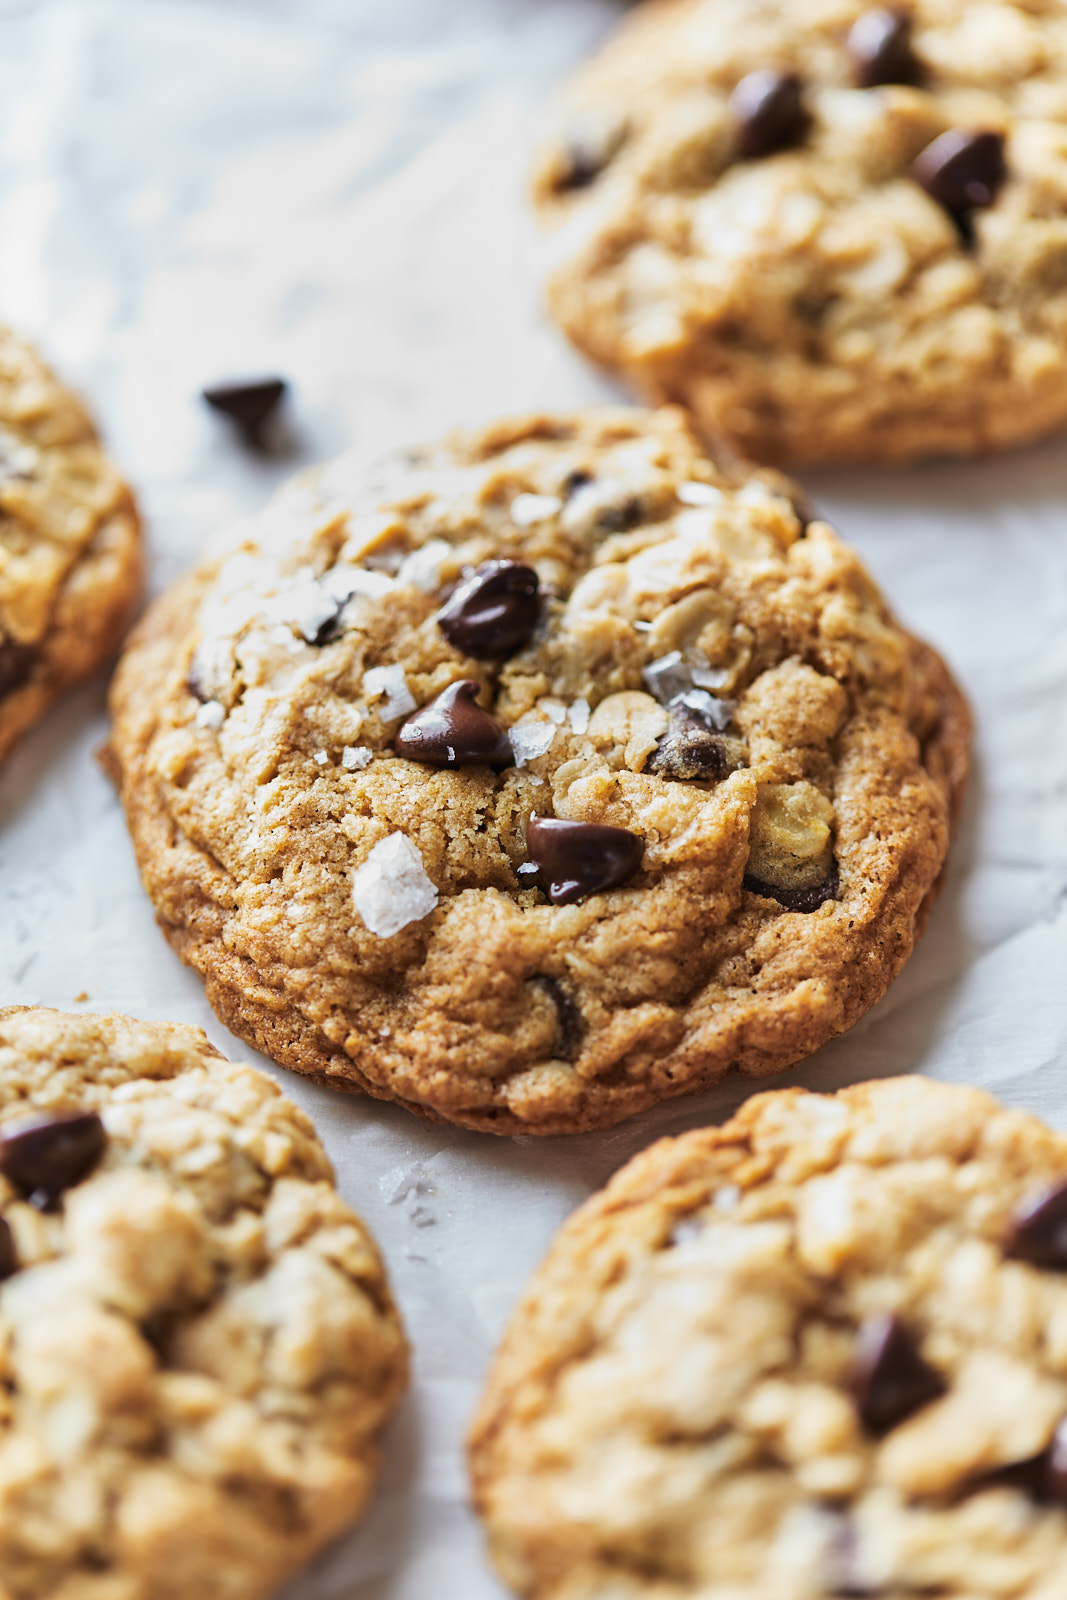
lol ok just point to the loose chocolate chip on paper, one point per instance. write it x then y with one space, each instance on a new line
809 899
1039 1233
249 405
44 1158
452 730
768 112
880 47
963 171
494 612
890 1379
577 859
16 664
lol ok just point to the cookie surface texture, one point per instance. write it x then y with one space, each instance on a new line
70 546
803 1355
836 232
542 775
198 1341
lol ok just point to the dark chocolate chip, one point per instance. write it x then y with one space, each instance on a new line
890 1379
452 730
581 858
494 612
768 112
620 519
588 151
44 1158
963 171
16 664
809 899
692 750
249 405
574 481
9 1264
880 47
569 1025
1039 1233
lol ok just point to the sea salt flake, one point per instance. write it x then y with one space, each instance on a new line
422 568
392 888
393 684
342 582
354 757
306 605
719 713
699 494
667 677
711 677
321 757
211 714
578 715
526 509
554 710
531 739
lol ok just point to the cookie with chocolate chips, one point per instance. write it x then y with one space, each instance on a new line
539 775
70 544
820 1351
197 1340
835 231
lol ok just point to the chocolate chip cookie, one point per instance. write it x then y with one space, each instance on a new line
70 547
539 775
835 231
197 1341
820 1351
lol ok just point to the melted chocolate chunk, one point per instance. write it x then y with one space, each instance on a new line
692 750
16 664
249 405
452 730
890 1379
9 1264
963 171
880 47
794 899
768 113
1039 1233
494 612
577 859
568 1017
43 1159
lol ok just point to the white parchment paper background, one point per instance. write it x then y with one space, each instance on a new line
333 189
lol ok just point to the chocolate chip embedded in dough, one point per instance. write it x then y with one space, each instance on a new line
880 47
494 612
963 171
693 749
568 1017
1039 1233
768 112
452 730
890 1379
16 664
249 405
577 859
808 899
587 152
9 1264
46 1157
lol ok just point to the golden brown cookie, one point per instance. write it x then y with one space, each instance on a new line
835 231
820 1351
70 542
197 1341
538 776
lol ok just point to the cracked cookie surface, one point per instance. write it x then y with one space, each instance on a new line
197 1338
533 864
756 209
820 1351
70 546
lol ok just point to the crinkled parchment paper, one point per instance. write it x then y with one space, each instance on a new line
333 190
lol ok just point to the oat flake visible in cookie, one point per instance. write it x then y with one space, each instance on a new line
849 1380
197 1341
833 230
671 653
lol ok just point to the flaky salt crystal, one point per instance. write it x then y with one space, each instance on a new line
527 509
667 677
531 739
554 710
422 568
698 494
343 582
578 715
354 757
211 715
393 684
392 889
321 757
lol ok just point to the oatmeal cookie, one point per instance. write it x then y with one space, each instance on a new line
820 1351
70 542
197 1341
538 776
835 231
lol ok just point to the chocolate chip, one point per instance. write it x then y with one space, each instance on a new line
1056 1466
16 664
880 47
1039 1233
890 1379
768 112
44 1158
9 1264
568 1018
693 750
809 899
620 519
494 612
587 152
574 481
249 405
963 171
452 730
576 859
